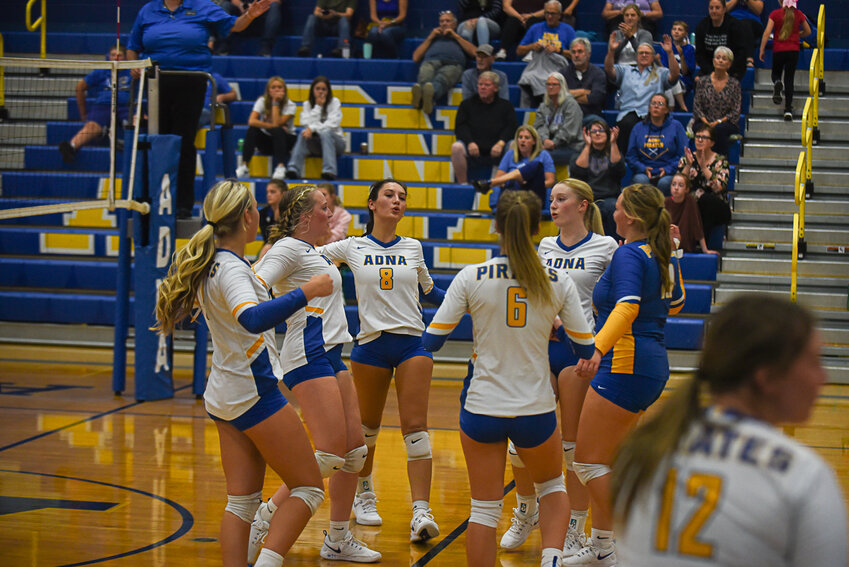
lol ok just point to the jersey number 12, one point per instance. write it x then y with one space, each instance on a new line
706 487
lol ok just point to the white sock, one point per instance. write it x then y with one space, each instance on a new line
268 558
73 145
272 507
551 557
422 505
527 504
578 521
602 538
364 484
338 531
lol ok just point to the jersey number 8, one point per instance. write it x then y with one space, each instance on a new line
386 275
517 310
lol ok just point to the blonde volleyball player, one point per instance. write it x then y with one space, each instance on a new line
313 368
582 251
633 297
255 424
722 485
513 301
388 272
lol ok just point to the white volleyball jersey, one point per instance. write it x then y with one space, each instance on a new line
243 363
738 493
510 336
387 278
289 264
584 262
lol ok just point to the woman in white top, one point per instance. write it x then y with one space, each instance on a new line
388 272
271 128
255 424
313 369
321 118
722 485
513 301
581 250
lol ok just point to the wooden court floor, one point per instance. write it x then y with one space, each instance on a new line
87 477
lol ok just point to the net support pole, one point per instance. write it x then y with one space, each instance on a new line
122 283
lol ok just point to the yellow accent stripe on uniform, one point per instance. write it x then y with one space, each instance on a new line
443 326
617 325
239 306
260 279
312 309
255 346
577 335
623 355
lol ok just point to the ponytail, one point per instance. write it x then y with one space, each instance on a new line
645 203
787 23
294 204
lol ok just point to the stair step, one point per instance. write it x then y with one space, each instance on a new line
11 158
787 176
833 302
746 203
785 190
778 162
755 246
836 81
829 107
21 85
812 221
825 151
782 266
772 234
832 130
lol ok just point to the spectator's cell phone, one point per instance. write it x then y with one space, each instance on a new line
325 11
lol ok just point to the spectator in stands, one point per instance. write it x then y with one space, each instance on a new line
656 145
650 14
548 43
718 98
708 172
96 123
685 54
484 125
329 17
321 117
224 94
519 16
720 29
526 166
558 121
601 166
271 128
484 60
630 35
479 20
441 57
387 29
685 217
265 26
340 219
175 34
748 13
270 214
637 84
788 24
586 81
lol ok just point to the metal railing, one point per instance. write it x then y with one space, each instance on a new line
39 24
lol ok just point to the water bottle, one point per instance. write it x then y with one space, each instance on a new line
692 38
346 50
239 145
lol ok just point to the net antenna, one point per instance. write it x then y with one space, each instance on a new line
35 113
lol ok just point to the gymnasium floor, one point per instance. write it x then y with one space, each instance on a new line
87 477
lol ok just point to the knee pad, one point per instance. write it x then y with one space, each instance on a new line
370 435
418 446
588 471
355 459
557 484
244 506
515 459
311 495
569 454
328 463
486 512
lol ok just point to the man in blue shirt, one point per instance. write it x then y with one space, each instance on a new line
548 44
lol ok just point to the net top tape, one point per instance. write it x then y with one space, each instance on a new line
72 63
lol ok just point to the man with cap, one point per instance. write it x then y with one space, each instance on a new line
484 59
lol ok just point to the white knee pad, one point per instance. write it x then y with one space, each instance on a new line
569 454
355 459
418 446
486 512
557 484
328 463
370 434
515 459
588 471
244 506
311 495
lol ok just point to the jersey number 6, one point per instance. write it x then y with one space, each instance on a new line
517 310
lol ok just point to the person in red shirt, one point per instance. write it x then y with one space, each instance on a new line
786 21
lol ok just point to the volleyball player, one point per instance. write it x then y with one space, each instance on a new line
513 301
313 368
581 250
255 424
640 287
722 485
388 272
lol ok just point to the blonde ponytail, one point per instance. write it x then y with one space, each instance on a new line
645 203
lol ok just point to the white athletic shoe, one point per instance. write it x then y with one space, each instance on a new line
592 555
242 171
279 172
365 509
259 529
501 55
519 530
573 543
529 57
349 549
422 526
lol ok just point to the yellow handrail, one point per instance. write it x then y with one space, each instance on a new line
794 261
41 22
2 77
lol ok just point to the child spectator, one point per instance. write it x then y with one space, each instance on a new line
785 50
270 127
685 54
340 219
270 214
684 214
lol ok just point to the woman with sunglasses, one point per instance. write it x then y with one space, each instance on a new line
601 166
708 172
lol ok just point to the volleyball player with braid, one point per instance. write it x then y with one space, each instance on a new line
255 424
388 272
582 251
513 300
313 369
640 287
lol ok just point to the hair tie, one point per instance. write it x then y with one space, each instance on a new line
212 224
788 3
660 209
